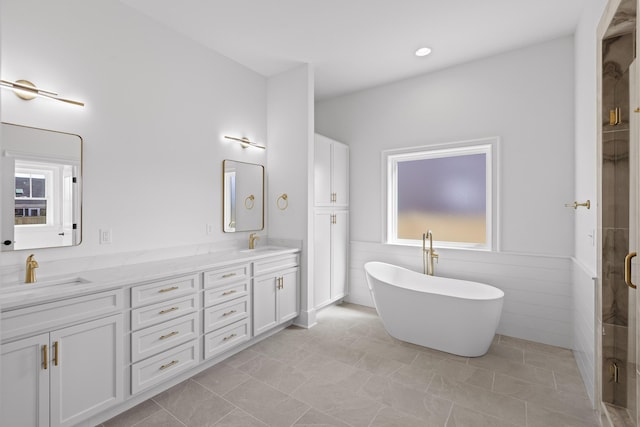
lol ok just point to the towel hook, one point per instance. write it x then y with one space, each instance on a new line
575 205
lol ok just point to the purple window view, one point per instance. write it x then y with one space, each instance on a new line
446 195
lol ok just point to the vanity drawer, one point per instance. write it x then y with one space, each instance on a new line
155 339
226 275
160 291
224 314
226 293
51 315
223 339
152 371
156 313
275 263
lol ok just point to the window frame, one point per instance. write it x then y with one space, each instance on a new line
390 159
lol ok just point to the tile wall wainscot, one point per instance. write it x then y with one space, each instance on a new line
134 303
584 324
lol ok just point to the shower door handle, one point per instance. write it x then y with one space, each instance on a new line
627 269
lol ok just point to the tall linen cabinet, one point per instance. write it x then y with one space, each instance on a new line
331 220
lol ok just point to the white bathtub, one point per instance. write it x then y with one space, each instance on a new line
455 316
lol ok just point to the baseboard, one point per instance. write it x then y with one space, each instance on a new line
306 319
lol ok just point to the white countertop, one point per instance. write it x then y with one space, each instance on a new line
50 287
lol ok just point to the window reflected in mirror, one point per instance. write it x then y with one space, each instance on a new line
31 197
41 171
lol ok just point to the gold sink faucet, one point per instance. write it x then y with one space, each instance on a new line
252 240
32 264
428 255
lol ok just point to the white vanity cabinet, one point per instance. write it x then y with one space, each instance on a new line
65 375
24 397
68 362
86 371
226 308
276 292
331 173
331 221
331 231
165 328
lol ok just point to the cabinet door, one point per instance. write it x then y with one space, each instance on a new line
265 313
24 396
322 171
322 258
288 296
340 175
339 254
86 375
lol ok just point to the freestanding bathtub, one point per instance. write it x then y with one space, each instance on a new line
455 316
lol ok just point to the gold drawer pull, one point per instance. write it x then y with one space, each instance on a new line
56 350
168 365
173 288
226 276
169 310
227 338
228 313
169 335
232 291
45 357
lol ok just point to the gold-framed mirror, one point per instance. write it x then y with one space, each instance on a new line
243 196
41 188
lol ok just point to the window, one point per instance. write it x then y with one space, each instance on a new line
448 189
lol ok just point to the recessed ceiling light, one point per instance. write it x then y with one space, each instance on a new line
423 51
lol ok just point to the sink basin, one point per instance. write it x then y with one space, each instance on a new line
260 249
42 285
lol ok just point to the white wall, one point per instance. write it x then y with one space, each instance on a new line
290 129
586 221
526 98
157 107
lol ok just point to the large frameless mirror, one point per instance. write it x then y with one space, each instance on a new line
243 196
41 188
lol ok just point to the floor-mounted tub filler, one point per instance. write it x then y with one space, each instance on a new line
455 316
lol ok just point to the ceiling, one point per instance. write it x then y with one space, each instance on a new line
357 44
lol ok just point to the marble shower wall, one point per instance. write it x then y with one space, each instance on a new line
618 53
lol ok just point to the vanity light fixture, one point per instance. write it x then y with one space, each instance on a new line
423 51
26 90
245 142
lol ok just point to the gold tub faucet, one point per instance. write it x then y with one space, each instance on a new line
32 264
428 255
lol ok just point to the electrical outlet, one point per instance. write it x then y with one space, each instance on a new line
209 228
105 236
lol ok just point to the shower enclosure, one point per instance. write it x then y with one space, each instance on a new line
617 226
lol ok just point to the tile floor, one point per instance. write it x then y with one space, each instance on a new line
347 371
618 416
